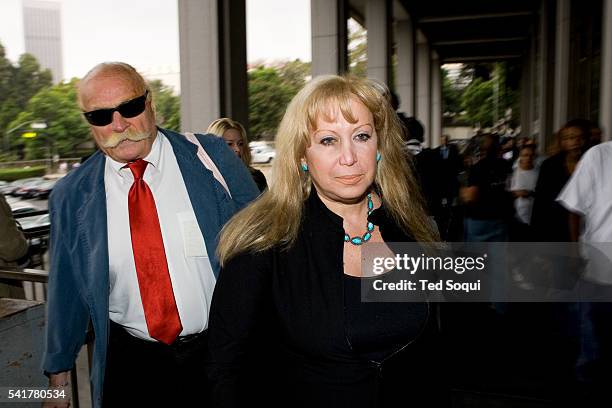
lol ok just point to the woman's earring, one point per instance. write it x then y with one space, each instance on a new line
378 156
304 167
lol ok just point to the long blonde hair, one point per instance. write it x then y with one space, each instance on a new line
273 219
220 126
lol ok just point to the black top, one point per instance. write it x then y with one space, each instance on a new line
550 220
259 179
449 170
374 330
278 330
490 175
427 166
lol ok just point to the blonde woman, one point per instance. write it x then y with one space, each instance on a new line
287 322
235 136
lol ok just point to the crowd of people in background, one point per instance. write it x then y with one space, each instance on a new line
495 188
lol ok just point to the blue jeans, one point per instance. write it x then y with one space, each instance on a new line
494 230
485 230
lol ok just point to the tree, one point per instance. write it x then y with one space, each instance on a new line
6 70
489 94
451 95
167 105
270 91
28 79
66 127
294 74
357 50
18 83
477 102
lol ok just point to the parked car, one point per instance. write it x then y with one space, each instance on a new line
263 154
36 230
21 186
28 190
35 222
20 208
41 190
8 188
257 143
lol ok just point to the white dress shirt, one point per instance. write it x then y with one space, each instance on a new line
589 193
190 270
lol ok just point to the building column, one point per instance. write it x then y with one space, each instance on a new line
329 36
545 72
423 86
526 93
436 101
533 78
562 50
605 87
212 41
404 78
379 23
199 50
233 77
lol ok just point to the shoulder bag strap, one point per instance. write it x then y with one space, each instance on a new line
207 161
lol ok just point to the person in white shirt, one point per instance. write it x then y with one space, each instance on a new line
133 241
522 184
588 196
529 142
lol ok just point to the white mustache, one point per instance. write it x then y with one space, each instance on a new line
116 138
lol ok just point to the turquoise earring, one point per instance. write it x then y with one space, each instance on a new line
304 167
378 156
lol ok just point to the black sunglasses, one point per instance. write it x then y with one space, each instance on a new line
128 109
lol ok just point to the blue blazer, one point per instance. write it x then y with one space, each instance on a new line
78 289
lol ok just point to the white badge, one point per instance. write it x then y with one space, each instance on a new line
193 241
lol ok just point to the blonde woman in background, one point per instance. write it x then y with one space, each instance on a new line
287 323
235 136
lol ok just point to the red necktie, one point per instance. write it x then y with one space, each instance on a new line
161 313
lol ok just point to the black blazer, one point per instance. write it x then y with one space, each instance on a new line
277 328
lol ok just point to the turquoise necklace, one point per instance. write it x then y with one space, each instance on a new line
368 234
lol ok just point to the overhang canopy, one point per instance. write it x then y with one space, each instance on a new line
470 30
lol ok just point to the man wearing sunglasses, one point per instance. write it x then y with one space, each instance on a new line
133 239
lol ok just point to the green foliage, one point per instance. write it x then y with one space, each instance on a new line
488 96
12 174
270 91
358 50
268 99
477 101
294 74
167 106
28 79
451 95
66 127
18 83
